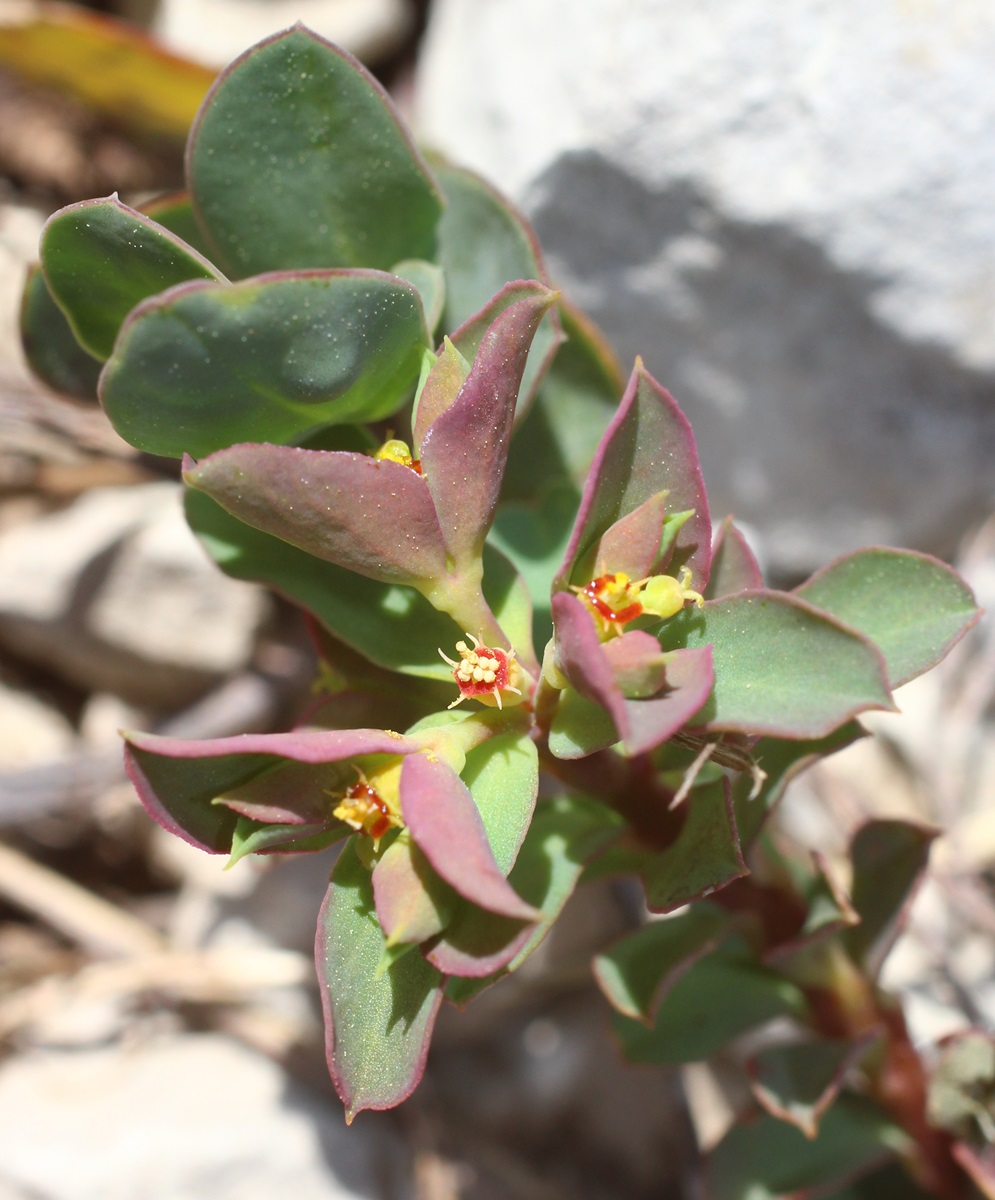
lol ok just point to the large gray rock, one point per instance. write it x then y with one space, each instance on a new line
786 210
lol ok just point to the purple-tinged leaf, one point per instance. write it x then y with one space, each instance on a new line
637 972
827 911
502 775
647 448
782 666
979 1165
177 779
767 1159
637 663
252 838
914 608
463 453
413 904
442 385
378 1023
596 671
689 680
797 1083
439 811
475 943
734 565
284 794
582 659
889 858
372 516
632 544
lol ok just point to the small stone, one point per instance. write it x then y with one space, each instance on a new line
34 733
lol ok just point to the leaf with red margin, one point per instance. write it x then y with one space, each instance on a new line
475 943
464 451
782 666
372 516
734 565
638 971
439 811
647 448
914 608
797 1083
889 859
378 1023
632 544
412 903
177 779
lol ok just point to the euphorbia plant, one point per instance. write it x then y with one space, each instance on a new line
386 414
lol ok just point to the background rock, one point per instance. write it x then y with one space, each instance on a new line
183 1118
786 212
114 593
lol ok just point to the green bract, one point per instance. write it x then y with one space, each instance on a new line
539 664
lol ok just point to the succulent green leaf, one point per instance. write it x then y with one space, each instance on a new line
413 904
102 258
430 282
50 346
717 998
378 1023
913 607
767 1159
503 778
782 666
580 727
734 565
207 365
798 1082
485 243
174 212
250 837
704 856
781 760
566 832
889 858
298 159
639 970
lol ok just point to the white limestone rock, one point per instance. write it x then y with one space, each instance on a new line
786 210
183 1117
114 594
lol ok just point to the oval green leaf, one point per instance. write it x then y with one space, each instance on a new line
102 258
207 365
298 159
913 607
50 346
782 667
378 1023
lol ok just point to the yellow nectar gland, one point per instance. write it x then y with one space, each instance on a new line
614 599
372 805
394 450
483 674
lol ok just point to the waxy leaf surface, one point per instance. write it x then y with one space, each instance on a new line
647 448
439 811
463 452
207 365
485 243
782 666
734 565
637 971
767 1159
372 516
50 346
102 258
911 606
413 904
889 858
298 160
378 1024
720 996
